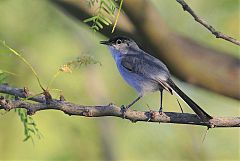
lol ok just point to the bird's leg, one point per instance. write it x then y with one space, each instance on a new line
124 109
134 101
161 98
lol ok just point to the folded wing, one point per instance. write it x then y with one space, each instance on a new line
148 67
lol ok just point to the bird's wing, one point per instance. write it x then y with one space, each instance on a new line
148 67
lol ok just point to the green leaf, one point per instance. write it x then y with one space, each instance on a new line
27 138
90 19
108 20
94 27
103 20
99 24
29 125
2 77
107 11
91 3
31 130
112 3
106 8
103 3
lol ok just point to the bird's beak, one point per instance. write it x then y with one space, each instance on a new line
105 42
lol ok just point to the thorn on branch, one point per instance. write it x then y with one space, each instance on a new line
62 98
26 92
111 104
30 112
48 97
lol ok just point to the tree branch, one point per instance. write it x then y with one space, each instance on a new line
218 34
108 110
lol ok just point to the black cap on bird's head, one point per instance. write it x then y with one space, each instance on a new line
116 40
122 44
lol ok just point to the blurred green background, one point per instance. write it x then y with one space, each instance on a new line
47 39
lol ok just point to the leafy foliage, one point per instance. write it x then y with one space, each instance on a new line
106 8
80 61
2 77
74 64
30 127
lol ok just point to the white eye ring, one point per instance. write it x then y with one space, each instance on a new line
118 41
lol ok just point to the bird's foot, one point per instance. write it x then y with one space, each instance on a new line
123 111
161 111
151 115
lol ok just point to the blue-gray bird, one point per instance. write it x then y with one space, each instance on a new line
145 73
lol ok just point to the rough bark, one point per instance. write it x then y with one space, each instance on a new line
107 110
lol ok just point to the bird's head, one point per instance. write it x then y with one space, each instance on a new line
120 44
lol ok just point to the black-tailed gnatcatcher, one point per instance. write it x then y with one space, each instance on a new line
145 73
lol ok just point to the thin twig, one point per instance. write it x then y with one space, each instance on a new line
25 61
180 105
218 34
108 110
117 17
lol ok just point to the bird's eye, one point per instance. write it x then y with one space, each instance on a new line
119 41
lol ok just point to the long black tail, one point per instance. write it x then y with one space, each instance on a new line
198 110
